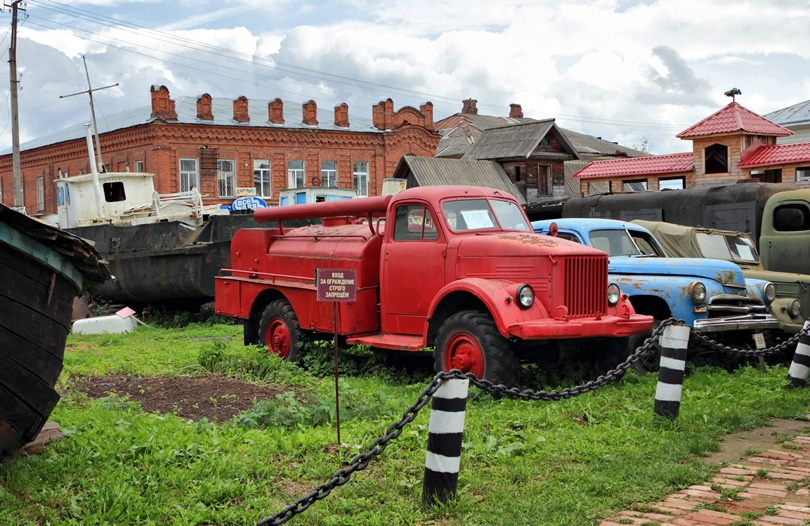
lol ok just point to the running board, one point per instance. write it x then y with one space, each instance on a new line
397 342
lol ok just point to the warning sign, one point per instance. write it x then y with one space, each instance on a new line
336 284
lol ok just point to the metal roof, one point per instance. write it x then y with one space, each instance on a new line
777 154
516 141
222 109
430 171
654 164
795 115
734 118
589 145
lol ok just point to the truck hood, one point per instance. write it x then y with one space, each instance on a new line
509 244
722 271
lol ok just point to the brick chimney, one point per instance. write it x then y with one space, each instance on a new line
240 110
275 112
162 105
469 107
515 111
204 111
427 111
342 115
309 112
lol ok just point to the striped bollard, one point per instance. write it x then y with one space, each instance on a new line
445 431
800 365
674 341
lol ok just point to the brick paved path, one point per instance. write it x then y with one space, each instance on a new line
768 489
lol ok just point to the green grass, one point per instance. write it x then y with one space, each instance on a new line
571 462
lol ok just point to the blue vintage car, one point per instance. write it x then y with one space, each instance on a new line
711 295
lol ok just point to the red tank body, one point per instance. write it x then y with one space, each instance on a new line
451 266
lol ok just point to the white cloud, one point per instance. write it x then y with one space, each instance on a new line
618 69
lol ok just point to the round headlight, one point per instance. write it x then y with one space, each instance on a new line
698 291
525 296
613 294
795 308
770 292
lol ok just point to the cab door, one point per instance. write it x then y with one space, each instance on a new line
412 268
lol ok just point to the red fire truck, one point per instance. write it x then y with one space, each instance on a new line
456 268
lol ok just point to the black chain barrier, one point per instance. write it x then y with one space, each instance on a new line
361 461
751 353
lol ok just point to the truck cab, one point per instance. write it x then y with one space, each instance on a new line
457 268
710 295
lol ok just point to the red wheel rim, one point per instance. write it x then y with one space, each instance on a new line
277 337
464 353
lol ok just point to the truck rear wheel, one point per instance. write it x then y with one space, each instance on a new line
470 341
280 331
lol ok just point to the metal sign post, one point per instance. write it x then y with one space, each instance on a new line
336 285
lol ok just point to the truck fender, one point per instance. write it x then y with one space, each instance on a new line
495 295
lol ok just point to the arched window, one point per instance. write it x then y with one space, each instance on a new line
717 159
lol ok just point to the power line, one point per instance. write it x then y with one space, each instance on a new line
255 60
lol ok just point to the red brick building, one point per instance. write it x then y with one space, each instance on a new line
228 147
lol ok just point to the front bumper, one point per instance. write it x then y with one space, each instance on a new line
733 323
604 326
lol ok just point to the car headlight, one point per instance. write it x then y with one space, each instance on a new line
698 291
525 296
770 292
614 293
795 309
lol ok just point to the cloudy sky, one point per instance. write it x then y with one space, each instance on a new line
630 71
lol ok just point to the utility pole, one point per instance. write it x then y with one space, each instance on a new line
19 203
89 91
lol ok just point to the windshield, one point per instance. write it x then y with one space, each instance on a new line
481 214
625 243
729 248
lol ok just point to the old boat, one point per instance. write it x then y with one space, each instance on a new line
161 248
42 269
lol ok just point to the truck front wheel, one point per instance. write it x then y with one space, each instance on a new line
470 341
280 331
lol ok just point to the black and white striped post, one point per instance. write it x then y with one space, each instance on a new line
674 342
445 430
800 365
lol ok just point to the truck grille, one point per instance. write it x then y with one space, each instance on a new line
586 280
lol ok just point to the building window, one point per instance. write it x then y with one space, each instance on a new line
139 166
261 177
637 185
672 183
226 177
295 174
716 158
598 187
361 178
40 194
802 173
189 175
329 174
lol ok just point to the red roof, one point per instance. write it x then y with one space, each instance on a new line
775 154
655 164
734 118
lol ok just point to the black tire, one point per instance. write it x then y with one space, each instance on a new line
280 331
649 362
470 341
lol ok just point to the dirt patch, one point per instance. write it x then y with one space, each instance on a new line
217 398
738 446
